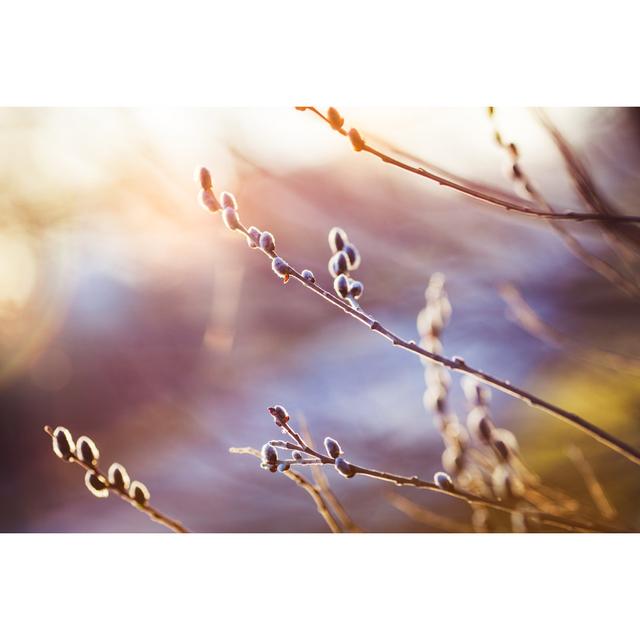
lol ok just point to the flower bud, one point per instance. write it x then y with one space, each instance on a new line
475 393
253 239
228 200
353 256
203 178
269 455
267 242
340 263
344 468
297 455
208 200
356 288
337 239
308 276
231 219
280 267
435 399
118 477
332 447
453 460
502 450
480 424
443 480
279 414
335 119
63 445
356 140
341 286
139 493
96 484
283 466
86 451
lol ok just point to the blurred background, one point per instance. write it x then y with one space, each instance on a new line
129 314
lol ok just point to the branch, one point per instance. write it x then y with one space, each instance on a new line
349 470
302 482
509 205
120 491
287 272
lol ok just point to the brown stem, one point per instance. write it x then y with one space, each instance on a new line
458 364
498 201
153 513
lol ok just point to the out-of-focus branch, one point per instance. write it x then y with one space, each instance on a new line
509 205
523 314
421 514
592 483
349 306
303 483
523 182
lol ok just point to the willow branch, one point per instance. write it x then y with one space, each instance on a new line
426 516
459 494
303 483
457 363
508 205
147 509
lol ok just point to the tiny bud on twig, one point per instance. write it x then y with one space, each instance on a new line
203 178
308 276
443 480
332 447
337 239
279 414
269 454
139 493
96 484
118 477
86 451
280 267
208 200
231 219
356 289
63 445
344 468
356 139
335 119
253 239
267 242
341 286
353 256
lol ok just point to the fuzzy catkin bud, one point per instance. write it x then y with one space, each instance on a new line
501 449
279 414
208 201
96 484
139 493
63 445
335 119
87 451
228 200
267 242
344 468
280 267
308 276
356 140
118 477
353 256
253 239
332 447
356 289
231 219
203 178
337 239
269 455
443 480
340 263
297 455
341 286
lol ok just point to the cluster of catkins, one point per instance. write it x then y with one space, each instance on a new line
345 259
269 452
85 452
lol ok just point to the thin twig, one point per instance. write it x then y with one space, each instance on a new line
457 363
592 483
415 481
302 482
325 489
421 514
150 511
524 315
509 205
